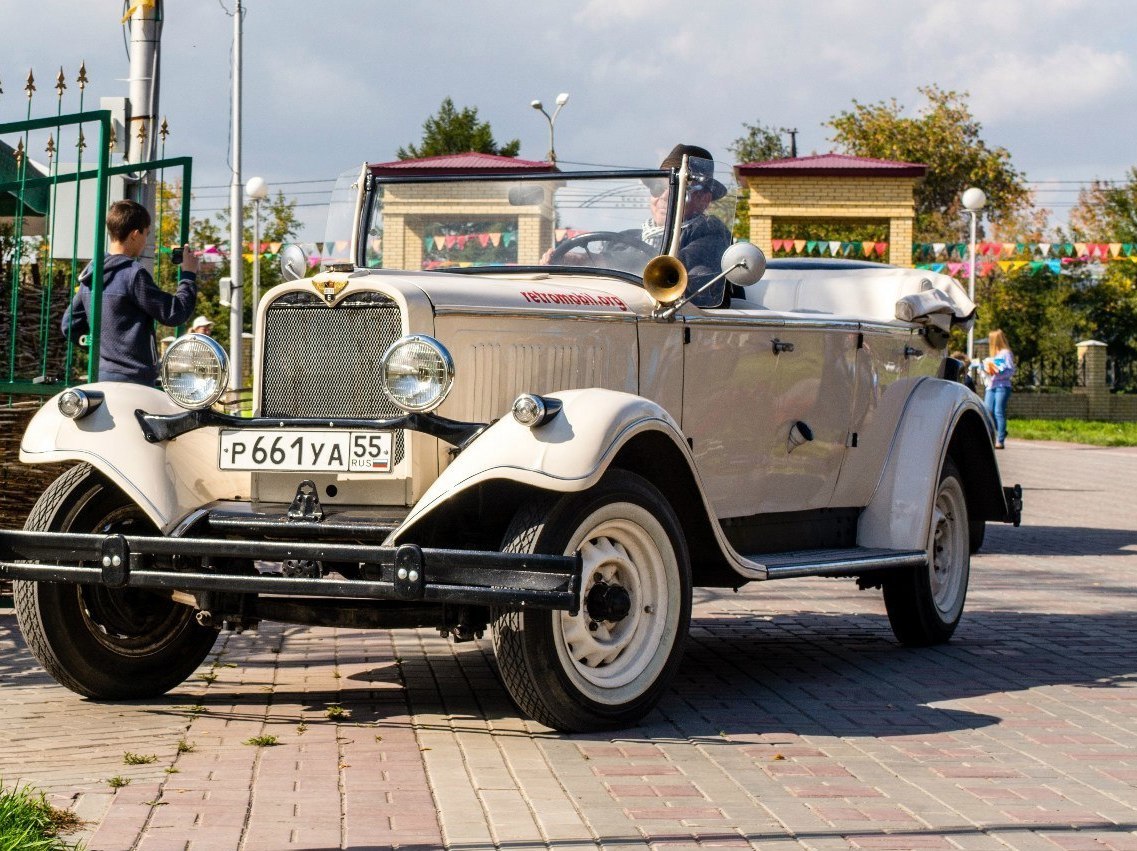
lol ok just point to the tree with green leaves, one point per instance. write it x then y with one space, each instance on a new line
945 137
453 131
278 224
757 144
1107 212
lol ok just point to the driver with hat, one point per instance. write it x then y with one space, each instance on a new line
703 238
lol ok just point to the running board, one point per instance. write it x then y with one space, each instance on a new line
849 562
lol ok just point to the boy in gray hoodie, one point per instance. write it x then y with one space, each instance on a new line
132 302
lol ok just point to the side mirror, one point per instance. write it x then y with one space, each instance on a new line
743 264
293 262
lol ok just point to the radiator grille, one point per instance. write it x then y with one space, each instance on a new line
322 361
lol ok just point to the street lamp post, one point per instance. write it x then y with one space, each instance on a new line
973 201
257 190
562 99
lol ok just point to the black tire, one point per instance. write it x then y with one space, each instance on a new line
924 605
100 642
557 669
978 532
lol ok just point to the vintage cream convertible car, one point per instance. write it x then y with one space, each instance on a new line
498 408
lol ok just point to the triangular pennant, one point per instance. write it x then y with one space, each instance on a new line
560 232
834 247
881 247
439 241
495 238
449 240
799 244
1081 248
507 238
811 246
1044 249
274 247
1008 248
483 239
866 248
938 248
938 267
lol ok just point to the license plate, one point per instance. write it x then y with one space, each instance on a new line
305 451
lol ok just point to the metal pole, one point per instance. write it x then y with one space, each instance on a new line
141 142
236 217
971 290
256 258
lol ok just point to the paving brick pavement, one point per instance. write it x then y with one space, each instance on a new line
795 722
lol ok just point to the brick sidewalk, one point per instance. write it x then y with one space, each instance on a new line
796 721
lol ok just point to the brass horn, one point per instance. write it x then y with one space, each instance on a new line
665 278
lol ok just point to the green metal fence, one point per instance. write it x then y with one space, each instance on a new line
58 363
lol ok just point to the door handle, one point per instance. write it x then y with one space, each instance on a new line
780 346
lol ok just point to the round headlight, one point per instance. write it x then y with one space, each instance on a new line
418 372
195 371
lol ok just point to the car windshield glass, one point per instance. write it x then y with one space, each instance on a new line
606 222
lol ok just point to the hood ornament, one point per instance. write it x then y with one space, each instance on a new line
329 285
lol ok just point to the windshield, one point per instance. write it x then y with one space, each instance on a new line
609 222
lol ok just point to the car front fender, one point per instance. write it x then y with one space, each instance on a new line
166 480
938 416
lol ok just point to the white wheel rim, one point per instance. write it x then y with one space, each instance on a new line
948 550
615 661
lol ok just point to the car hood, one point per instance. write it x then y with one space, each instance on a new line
525 292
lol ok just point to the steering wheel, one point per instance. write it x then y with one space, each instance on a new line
611 239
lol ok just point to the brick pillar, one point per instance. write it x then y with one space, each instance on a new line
762 233
1091 362
900 241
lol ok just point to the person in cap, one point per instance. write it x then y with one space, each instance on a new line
202 325
703 238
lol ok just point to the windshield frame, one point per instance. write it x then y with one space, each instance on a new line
373 182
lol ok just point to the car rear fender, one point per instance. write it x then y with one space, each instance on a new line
939 416
166 480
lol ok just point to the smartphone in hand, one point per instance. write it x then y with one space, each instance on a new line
176 255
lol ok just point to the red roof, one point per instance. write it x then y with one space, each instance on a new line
468 163
832 165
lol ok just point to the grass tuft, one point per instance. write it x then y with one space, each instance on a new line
186 747
118 781
262 741
130 758
336 712
1093 432
28 822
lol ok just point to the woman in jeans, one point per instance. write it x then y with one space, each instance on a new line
998 369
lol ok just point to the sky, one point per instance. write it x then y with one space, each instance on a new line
329 86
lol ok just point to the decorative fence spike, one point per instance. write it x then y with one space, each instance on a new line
19 153
60 85
50 147
114 138
30 86
164 130
82 143
82 79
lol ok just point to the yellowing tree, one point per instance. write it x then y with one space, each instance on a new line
945 137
